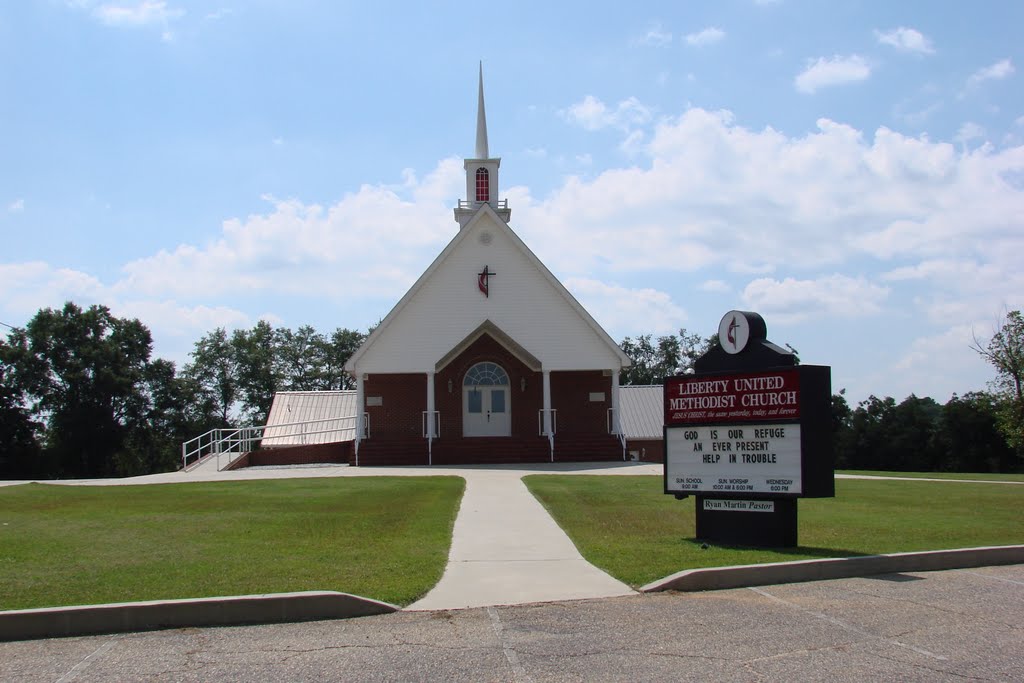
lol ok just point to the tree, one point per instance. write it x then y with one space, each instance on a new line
654 359
83 373
343 343
19 447
970 436
300 358
1005 352
214 369
255 353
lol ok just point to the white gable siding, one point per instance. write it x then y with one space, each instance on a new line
523 302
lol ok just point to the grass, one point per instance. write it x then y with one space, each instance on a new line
380 537
976 476
629 528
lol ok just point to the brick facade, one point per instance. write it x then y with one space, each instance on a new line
570 396
525 400
403 400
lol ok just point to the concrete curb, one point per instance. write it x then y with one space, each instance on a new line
716 578
52 622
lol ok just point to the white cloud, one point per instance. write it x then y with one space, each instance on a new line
656 36
31 286
906 40
296 247
969 131
145 13
592 114
792 300
826 72
797 224
617 308
994 72
708 36
934 363
717 286
17 206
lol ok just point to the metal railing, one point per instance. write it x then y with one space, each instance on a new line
616 430
496 204
554 428
234 442
540 422
437 424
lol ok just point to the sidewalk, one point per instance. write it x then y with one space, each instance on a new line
506 550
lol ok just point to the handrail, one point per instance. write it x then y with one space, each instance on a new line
540 422
436 414
616 430
469 204
241 440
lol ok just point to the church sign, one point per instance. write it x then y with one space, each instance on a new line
748 432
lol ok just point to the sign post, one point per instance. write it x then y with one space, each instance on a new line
748 434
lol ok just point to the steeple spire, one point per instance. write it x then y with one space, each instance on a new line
481 171
481 120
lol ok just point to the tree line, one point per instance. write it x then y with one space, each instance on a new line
81 396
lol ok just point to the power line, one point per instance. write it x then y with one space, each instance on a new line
6 325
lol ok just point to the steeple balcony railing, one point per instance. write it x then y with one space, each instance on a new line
497 204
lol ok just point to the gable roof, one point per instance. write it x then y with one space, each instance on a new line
486 215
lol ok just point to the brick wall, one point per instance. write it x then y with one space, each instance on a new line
524 402
570 395
403 400
648 450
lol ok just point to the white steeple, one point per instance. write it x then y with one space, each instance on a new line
481 171
481 120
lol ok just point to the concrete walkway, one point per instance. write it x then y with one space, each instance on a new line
506 550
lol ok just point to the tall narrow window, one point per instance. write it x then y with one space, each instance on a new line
483 185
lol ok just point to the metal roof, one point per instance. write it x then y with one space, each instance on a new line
311 417
642 411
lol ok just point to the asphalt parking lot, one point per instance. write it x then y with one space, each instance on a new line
951 625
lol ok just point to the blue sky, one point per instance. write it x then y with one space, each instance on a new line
854 171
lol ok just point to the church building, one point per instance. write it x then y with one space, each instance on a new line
487 358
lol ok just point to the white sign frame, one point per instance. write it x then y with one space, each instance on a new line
740 459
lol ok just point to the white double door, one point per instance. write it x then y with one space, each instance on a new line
485 411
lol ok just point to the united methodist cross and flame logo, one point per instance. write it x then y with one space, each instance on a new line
734 332
731 334
483 281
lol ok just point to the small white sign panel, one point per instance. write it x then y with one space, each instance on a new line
733 458
740 505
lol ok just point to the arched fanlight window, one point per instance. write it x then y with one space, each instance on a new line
486 374
483 185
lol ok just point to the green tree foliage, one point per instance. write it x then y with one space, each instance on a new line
919 435
654 359
257 375
19 450
1005 352
971 438
215 371
238 376
84 374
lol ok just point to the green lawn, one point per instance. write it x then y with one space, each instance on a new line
629 528
976 476
380 537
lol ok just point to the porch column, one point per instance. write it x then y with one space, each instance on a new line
431 427
360 410
616 421
547 403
